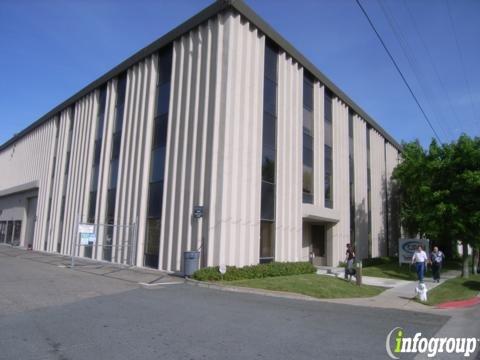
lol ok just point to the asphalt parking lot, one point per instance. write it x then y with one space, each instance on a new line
48 311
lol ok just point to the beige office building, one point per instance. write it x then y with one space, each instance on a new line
220 136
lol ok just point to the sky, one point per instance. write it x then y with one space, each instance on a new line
51 49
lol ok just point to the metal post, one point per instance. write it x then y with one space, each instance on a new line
134 243
74 245
358 276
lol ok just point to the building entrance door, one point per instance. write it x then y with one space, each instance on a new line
319 245
31 220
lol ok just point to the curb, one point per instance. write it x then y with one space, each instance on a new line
245 290
459 304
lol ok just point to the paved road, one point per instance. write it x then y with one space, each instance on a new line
47 312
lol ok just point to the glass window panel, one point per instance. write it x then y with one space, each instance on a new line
269 130
117 142
328 106
307 142
350 124
111 205
96 152
160 131
268 201
121 88
17 230
307 157
152 243
155 200
157 164
307 184
165 65
271 58
307 93
307 121
62 209
268 165
328 134
92 202
270 97
67 163
112 181
163 98
94 183
8 240
267 239
328 191
99 129
117 127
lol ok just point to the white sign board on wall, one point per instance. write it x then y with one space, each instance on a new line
86 228
406 248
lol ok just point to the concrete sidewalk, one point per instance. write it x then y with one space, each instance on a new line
400 295
140 276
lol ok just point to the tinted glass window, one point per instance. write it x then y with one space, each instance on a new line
269 130
91 206
112 181
152 243
268 167
94 182
328 106
267 236
157 167
111 204
117 140
164 66
268 201
160 131
163 99
271 58
307 122
270 97
17 230
307 93
155 200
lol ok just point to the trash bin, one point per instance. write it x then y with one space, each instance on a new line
191 262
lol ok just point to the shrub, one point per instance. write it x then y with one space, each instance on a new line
255 271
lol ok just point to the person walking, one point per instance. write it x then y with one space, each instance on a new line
437 258
420 260
349 260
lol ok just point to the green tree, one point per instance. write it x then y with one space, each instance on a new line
440 193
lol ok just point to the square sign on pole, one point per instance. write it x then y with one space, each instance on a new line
198 212
406 248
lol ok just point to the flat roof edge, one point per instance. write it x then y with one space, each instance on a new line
218 6
156 45
263 26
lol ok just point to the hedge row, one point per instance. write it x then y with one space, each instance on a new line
255 271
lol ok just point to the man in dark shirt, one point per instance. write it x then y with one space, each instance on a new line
349 260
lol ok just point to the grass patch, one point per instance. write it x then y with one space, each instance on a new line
319 286
455 289
393 271
389 268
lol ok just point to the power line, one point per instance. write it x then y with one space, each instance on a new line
460 53
412 61
398 69
430 58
